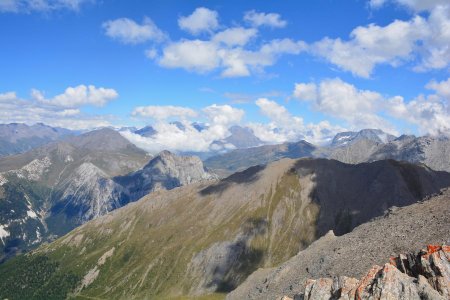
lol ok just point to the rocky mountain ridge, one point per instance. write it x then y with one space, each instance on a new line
64 184
399 230
349 147
422 275
223 231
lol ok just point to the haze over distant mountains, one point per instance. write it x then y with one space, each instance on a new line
242 149
17 137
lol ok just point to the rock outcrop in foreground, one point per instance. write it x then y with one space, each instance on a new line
424 275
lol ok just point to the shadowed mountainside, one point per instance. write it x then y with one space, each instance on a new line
399 230
241 159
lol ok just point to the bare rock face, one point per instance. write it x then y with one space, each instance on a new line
425 275
164 172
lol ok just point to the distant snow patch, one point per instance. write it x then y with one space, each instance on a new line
3 180
31 214
3 233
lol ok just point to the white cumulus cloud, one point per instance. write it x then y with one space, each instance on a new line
236 36
264 19
192 55
206 56
78 96
201 20
16 110
223 114
420 41
442 88
339 99
128 31
430 113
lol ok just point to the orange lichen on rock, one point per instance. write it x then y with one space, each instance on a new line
363 283
423 275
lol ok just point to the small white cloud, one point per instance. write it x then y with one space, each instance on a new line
236 36
442 88
201 20
223 114
163 112
262 19
192 55
128 31
78 96
275 111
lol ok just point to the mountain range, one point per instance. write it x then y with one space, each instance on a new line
206 238
350 147
18 137
101 218
52 189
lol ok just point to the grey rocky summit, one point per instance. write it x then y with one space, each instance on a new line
375 135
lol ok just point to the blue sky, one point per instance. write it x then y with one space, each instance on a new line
288 70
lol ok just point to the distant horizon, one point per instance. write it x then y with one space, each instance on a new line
137 140
300 70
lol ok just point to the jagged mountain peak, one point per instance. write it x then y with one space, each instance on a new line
375 135
146 131
405 137
177 170
166 157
